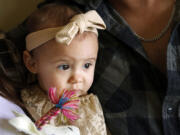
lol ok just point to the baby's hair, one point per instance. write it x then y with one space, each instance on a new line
49 16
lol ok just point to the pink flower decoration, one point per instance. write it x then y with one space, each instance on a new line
66 103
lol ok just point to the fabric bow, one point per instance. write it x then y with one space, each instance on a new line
89 21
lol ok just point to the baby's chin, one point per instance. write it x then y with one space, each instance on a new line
79 92
82 94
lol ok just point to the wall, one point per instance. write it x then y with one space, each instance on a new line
13 12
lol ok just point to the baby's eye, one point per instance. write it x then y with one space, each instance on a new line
87 65
63 67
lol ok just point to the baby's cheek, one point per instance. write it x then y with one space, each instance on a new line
58 83
90 81
48 83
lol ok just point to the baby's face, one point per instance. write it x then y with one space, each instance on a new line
67 67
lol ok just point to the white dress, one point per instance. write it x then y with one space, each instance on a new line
6 108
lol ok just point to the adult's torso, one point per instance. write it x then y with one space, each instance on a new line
136 97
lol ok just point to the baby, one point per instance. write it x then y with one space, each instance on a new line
61 50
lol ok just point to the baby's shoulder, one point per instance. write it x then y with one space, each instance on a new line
89 98
89 102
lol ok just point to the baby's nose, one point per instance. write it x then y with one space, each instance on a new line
75 78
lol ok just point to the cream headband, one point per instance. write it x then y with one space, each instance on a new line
89 21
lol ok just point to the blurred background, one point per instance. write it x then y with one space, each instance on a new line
13 12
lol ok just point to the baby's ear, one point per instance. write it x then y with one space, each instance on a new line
30 62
